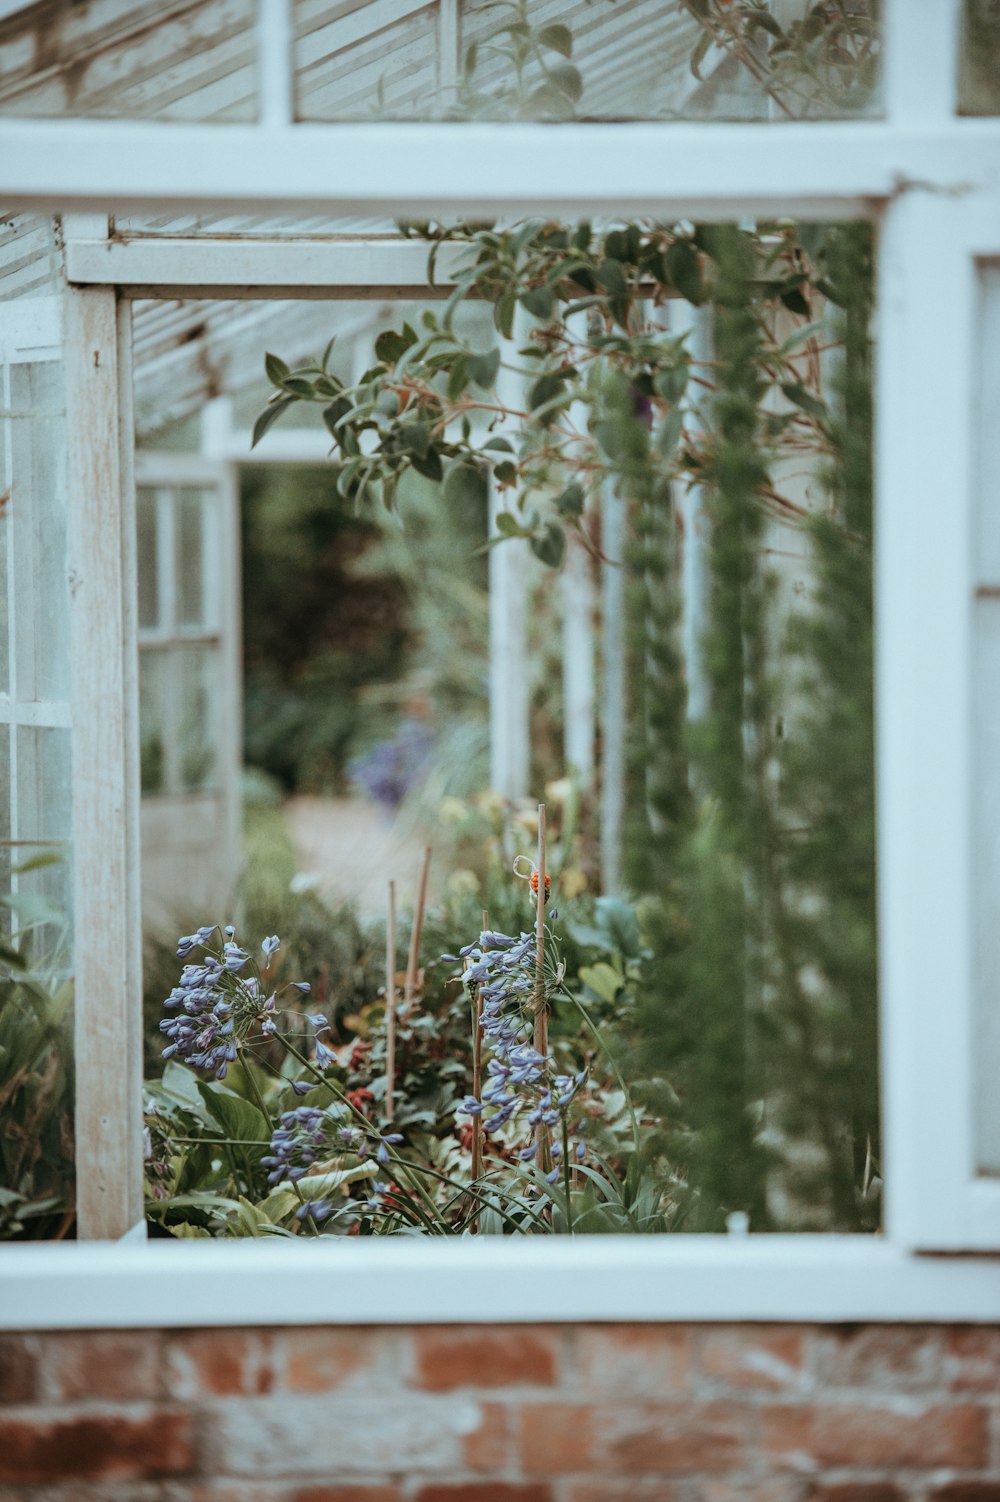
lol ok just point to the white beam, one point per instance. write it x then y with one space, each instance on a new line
348 269
705 171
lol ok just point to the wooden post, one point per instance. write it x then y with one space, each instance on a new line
105 767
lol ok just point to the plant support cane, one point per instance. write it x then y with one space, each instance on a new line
390 1003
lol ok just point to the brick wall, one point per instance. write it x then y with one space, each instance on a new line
665 1413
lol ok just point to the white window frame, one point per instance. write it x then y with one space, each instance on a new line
931 182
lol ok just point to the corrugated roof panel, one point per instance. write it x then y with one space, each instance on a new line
29 256
131 59
365 61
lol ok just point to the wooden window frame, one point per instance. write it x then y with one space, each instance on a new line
931 183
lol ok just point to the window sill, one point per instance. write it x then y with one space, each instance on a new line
775 1278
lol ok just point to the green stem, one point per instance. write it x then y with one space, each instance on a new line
566 1175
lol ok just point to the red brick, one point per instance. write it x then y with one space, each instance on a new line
323 1360
887 1358
967 1491
560 1439
972 1358
753 1356
18 1369
87 1447
104 1364
223 1363
633 1361
486 1357
876 1435
650 1489
676 1437
348 1493
485 1491
489 1447
737 1488
856 1491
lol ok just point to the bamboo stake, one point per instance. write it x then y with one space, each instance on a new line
418 925
390 1003
541 1015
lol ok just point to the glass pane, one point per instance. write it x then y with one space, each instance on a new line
197 687
190 509
43 895
152 720
979 64
353 62
5 591
635 59
6 835
986 702
148 557
38 522
189 61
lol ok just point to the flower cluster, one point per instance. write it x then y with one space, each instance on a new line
221 1001
502 968
309 1140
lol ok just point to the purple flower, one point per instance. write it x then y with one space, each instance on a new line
270 945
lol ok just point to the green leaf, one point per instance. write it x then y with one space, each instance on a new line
502 445
612 277
559 38
505 472
700 53
269 416
508 525
571 502
466 485
603 979
392 344
237 1118
276 369
483 370
795 302
568 80
429 464
671 382
804 399
458 378
683 269
669 435
548 101
539 301
546 389
550 545
325 362
503 314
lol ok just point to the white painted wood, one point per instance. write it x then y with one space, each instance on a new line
33 712
105 780
275 108
510 566
449 49
716 171
986 731
487 1279
347 268
920 61
925 586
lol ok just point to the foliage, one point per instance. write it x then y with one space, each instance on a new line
36 1073
319 627
823 62
290 1135
760 1014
